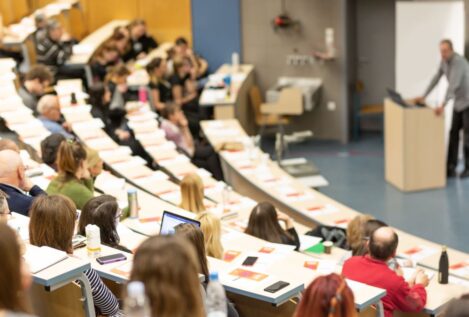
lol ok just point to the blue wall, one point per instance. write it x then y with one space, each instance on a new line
216 30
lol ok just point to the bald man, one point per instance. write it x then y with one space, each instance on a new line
372 269
15 184
50 115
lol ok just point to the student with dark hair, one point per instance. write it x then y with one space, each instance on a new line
36 81
195 237
116 96
168 267
182 49
52 224
50 147
327 296
14 276
160 88
104 212
120 39
73 179
176 127
141 42
106 56
264 224
373 270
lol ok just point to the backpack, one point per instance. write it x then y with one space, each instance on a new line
334 234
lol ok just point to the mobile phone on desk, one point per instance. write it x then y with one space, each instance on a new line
111 258
276 286
250 261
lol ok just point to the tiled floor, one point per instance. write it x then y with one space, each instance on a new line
356 175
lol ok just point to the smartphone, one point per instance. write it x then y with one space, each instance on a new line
111 258
276 287
250 260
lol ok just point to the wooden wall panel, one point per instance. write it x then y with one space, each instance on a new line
6 10
167 20
99 12
21 9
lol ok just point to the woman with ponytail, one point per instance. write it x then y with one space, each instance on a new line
327 296
73 179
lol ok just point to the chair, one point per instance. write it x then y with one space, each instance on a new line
361 111
65 301
30 54
265 120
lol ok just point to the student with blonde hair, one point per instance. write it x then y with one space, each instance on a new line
73 179
169 269
355 230
210 225
192 193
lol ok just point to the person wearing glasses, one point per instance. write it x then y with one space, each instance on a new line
19 189
104 212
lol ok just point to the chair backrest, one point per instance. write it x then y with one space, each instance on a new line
291 98
31 49
256 101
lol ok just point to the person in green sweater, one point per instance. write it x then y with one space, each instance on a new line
73 179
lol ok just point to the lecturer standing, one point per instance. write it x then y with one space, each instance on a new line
456 69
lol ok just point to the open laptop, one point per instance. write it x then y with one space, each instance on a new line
170 220
397 98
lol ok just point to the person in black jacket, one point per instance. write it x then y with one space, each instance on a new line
13 181
264 224
105 57
141 42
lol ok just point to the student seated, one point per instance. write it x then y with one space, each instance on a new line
4 208
182 49
195 237
355 229
192 193
458 307
36 81
176 128
54 52
116 96
8 144
264 224
73 179
368 228
210 225
104 212
49 148
120 38
184 91
94 162
105 57
40 22
141 42
15 277
327 296
52 224
164 263
160 88
372 269
13 181
48 109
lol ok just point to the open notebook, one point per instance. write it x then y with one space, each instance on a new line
41 258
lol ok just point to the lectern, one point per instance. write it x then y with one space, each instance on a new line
415 152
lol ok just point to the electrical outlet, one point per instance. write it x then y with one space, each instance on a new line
331 106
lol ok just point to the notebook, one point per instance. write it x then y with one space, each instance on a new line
41 258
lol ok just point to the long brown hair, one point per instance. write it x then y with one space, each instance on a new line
11 292
196 238
101 211
108 46
327 296
70 156
169 269
355 232
263 223
192 193
52 222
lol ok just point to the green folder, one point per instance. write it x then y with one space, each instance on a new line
317 248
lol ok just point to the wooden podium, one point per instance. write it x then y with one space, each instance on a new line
415 152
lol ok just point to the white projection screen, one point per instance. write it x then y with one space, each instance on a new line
420 25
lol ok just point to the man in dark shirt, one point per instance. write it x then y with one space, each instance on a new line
13 181
140 41
35 83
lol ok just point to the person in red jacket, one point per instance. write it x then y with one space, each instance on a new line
372 269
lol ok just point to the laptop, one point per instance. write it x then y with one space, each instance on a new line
397 98
170 220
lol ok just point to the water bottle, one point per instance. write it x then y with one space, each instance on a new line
133 203
136 303
216 297
443 267
226 195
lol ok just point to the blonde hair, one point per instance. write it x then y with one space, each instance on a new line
210 225
355 230
92 157
192 193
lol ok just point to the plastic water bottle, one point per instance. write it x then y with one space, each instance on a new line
216 297
136 303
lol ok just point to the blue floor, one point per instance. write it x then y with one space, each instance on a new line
356 175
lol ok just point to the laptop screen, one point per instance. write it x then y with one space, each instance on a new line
171 220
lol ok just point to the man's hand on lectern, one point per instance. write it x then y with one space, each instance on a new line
419 100
439 110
